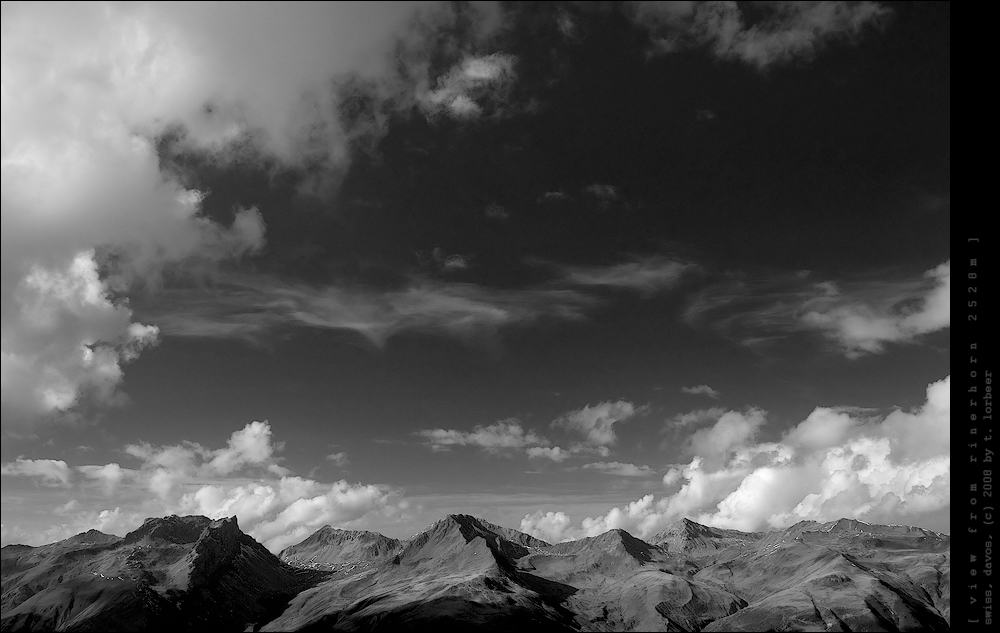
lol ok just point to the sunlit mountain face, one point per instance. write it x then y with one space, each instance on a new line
462 571
580 270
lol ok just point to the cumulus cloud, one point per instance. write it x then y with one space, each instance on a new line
165 467
791 30
52 472
703 390
731 431
279 514
505 434
548 526
88 91
250 445
109 475
63 336
554 453
276 507
859 317
620 469
891 469
596 423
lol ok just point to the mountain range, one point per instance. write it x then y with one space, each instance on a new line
193 573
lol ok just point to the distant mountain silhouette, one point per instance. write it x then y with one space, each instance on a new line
192 573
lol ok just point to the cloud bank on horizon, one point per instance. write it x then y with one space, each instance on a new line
275 507
830 465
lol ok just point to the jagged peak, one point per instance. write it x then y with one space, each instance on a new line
178 529
93 536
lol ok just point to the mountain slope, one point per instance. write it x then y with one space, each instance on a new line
173 572
841 575
184 573
459 572
332 549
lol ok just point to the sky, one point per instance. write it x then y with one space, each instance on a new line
566 267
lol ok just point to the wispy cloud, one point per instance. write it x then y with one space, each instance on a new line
502 435
644 275
703 390
620 469
693 418
338 459
248 307
792 30
243 306
859 317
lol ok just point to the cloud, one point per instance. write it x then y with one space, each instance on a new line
692 418
65 337
551 196
791 30
52 472
505 434
474 82
620 469
249 307
66 508
250 445
548 526
891 469
602 192
166 467
276 508
731 431
338 459
858 317
449 263
279 514
554 453
109 475
87 213
596 423
646 275
702 390
860 328
496 212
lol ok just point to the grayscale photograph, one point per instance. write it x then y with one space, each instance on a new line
493 316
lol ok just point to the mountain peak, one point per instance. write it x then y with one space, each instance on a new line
176 529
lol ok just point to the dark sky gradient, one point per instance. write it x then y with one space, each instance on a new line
836 164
